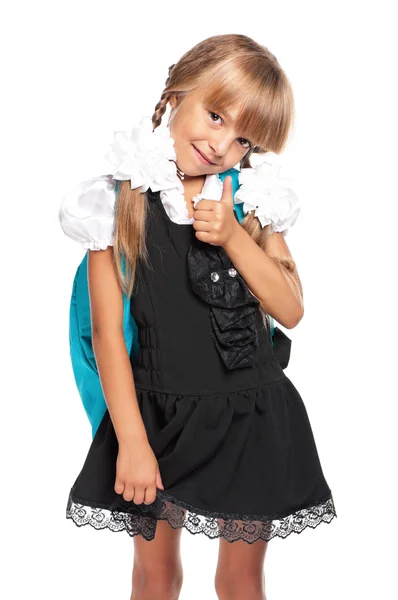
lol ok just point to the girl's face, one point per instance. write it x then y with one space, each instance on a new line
196 129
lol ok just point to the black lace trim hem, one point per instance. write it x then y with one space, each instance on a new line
141 519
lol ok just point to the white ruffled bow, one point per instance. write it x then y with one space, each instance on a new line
262 190
270 195
144 157
147 159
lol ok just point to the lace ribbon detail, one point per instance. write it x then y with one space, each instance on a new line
232 306
141 519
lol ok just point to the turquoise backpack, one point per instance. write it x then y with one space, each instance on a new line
80 339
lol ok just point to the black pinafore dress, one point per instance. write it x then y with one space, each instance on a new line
235 448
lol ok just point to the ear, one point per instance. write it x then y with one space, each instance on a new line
174 101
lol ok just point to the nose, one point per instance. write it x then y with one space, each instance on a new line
220 145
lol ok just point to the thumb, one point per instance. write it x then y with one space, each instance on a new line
227 189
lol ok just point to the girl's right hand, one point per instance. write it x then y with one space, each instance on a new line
137 473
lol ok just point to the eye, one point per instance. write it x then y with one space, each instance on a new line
218 117
213 113
247 141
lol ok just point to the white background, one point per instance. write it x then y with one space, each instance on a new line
72 73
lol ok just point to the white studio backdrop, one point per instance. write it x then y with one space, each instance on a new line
74 72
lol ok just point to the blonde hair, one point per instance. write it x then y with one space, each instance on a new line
228 69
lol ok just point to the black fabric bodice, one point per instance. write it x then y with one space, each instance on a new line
200 329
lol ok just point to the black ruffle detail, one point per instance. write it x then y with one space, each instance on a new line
232 306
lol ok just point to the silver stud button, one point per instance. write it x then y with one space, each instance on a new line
215 276
232 272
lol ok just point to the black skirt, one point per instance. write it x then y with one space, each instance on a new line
231 434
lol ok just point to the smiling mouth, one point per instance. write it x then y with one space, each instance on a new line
208 161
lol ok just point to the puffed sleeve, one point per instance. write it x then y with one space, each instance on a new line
87 212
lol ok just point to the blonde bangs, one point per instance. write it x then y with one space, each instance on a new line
262 95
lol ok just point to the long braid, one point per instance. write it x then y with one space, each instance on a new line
245 162
160 109
161 106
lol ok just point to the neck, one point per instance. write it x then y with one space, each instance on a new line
193 181
190 182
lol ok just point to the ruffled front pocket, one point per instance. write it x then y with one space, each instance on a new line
232 306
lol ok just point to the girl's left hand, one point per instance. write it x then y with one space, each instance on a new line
215 221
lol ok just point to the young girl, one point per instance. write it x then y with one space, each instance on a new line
201 427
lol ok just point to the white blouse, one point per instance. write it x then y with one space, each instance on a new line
87 210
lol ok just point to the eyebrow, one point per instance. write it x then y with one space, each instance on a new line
230 118
226 114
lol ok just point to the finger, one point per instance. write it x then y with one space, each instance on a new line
119 487
139 494
205 204
202 225
227 190
208 237
128 493
150 494
202 215
227 183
